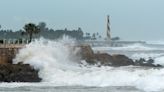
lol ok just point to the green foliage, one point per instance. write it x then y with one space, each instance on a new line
31 29
116 38
1 42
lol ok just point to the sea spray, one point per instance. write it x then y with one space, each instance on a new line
58 65
45 54
133 47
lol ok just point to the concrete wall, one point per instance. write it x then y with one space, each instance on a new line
7 53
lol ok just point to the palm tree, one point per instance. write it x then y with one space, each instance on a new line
31 29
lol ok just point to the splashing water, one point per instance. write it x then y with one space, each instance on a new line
58 64
133 47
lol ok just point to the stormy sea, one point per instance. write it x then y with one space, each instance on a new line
60 72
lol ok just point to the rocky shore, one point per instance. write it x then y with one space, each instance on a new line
18 73
90 57
25 73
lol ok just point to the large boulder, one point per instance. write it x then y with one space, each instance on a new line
114 60
86 53
18 73
90 57
103 58
121 60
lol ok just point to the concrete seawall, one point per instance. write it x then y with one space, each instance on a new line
8 52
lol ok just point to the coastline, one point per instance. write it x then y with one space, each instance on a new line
20 72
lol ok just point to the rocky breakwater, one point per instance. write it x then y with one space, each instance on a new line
18 73
90 57
15 72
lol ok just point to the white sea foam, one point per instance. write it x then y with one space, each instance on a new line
159 42
59 66
134 47
160 60
146 56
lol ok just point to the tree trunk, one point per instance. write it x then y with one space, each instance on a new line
30 37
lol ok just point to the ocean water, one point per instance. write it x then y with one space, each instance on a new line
63 71
45 88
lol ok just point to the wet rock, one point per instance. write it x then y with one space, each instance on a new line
122 60
103 59
149 62
90 57
18 73
86 53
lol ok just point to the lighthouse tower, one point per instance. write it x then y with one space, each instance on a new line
108 30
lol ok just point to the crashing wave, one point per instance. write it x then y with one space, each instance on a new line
57 65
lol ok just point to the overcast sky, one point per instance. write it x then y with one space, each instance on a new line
130 19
